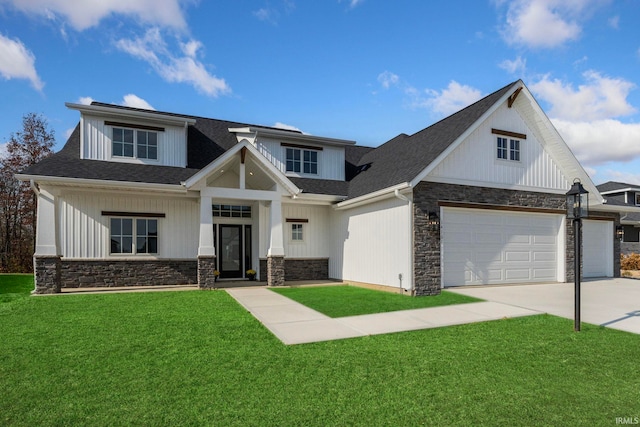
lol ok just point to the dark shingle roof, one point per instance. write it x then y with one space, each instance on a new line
367 169
404 157
613 186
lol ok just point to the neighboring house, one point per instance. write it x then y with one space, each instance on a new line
627 198
140 197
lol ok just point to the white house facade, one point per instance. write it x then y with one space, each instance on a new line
139 197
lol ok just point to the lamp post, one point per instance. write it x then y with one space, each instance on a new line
577 208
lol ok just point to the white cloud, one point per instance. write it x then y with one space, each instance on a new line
68 133
185 68
17 62
388 79
131 100
545 23
601 141
284 126
86 14
614 22
600 98
266 15
85 100
517 66
614 175
450 100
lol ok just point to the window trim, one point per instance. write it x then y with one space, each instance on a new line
135 129
297 229
508 150
637 199
134 218
299 160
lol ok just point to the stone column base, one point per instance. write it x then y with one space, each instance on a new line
47 274
206 267
275 271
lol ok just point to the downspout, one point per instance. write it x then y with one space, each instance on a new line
34 187
410 225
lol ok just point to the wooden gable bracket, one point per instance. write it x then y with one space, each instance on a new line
243 154
513 97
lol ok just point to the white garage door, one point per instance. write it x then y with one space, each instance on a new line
597 248
498 247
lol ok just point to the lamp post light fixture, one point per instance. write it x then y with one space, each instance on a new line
577 208
619 232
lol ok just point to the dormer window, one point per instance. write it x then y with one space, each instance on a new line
300 160
141 144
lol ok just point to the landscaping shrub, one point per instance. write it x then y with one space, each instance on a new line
630 262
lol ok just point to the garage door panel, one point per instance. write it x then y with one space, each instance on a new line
517 256
504 247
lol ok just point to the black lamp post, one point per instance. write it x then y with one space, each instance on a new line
577 208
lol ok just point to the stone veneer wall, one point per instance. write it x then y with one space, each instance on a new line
426 195
47 276
107 273
275 271
206 268
300 269
629 247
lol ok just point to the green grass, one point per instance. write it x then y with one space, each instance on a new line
341 301
198 358
15 286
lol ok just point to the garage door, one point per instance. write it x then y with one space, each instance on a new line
499 247
597 248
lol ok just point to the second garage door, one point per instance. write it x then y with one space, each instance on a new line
500 247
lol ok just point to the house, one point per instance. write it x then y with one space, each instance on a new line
627 198
139 197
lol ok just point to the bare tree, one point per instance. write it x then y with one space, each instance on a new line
17 202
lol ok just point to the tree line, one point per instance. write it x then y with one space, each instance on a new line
17 201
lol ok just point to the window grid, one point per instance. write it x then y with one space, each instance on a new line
141 144
231 211
514 150
502 148
298 160
296 232
123 231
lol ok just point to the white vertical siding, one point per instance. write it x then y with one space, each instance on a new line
474 161
330 159
315 232
97 143
84 231
373 244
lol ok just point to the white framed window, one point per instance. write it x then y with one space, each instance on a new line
508 149
133 236
134 143
301 161
514 150
502 148
297 232
231 211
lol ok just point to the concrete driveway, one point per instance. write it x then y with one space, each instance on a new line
614 303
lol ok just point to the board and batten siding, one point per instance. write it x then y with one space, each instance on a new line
84 231
330 159
96 143
316 232
475 162
373 244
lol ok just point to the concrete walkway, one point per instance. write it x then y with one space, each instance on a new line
294 323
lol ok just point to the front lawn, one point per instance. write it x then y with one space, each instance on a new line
341 301
199 358
15 286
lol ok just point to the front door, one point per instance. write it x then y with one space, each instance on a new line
230 251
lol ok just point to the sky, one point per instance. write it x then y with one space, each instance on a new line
363 70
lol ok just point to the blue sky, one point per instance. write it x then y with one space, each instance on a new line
365 70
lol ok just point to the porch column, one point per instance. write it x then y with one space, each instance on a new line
206 250
275 254
47 264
